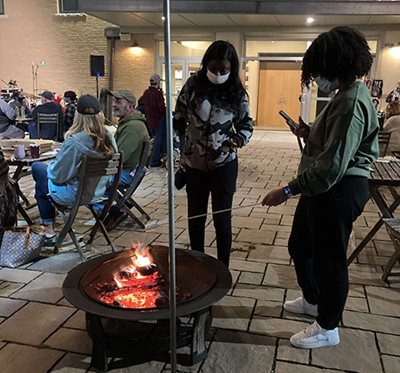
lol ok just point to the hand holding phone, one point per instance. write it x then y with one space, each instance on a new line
289 120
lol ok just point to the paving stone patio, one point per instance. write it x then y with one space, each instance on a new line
41 332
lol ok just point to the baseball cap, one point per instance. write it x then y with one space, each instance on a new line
127 95
70 94
155 78
88 104
47 94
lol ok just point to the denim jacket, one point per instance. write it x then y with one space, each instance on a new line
63 172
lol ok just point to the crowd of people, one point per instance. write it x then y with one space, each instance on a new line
212 117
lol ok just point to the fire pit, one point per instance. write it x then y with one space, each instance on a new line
119 291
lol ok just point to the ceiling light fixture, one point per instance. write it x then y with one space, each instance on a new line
310 20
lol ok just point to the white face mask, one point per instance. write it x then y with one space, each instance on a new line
217 79
326 85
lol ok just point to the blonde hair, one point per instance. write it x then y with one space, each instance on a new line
393 108
93 125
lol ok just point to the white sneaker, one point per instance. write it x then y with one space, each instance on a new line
314 336
300 305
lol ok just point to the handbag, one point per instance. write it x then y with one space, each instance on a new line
20 245
180 177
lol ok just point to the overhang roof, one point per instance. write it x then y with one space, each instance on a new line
145 15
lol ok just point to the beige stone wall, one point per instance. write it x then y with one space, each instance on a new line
31 31
133 69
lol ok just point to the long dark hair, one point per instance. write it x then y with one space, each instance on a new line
341 53
233 88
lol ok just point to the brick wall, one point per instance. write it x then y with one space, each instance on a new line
31 31
133 69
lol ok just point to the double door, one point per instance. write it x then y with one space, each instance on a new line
181 70
279 89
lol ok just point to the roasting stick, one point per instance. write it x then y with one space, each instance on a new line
156 223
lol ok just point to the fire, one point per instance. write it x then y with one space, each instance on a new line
136 285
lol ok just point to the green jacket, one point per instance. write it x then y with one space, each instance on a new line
130 135
343 141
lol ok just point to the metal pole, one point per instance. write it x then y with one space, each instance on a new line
172 256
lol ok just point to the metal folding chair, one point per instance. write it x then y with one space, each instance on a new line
92 168
48 120
124 195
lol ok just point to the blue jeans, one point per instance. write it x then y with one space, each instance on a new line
46 209
160 146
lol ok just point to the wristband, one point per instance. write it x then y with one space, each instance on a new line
288 191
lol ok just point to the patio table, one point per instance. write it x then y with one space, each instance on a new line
385 175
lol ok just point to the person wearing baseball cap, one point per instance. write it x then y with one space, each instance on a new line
153 105
131 132
87 136
47 130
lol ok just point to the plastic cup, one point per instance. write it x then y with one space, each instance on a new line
35 150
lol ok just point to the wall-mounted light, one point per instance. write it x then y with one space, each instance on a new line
388 45
135 44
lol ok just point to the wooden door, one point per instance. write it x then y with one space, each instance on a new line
279 89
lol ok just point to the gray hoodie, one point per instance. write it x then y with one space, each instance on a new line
63 172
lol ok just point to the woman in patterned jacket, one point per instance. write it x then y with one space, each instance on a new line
213 115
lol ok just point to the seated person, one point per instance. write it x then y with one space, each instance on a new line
131 132
392 125
47 131
7 128
59 180
8 198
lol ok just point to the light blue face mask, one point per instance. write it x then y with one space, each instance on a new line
326 85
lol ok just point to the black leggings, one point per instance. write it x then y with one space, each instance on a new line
318 245
221 182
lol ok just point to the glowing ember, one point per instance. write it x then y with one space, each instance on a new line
139 284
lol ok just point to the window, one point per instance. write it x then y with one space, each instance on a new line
1 6
69 6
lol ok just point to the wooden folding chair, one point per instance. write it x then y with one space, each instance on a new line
383 139
393 228
48 120
92 168
124 195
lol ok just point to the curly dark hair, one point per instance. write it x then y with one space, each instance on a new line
341 53
233 88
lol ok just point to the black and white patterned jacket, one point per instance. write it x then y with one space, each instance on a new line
210 122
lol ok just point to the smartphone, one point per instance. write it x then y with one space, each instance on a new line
289 120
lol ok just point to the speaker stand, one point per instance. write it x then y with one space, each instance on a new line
97 86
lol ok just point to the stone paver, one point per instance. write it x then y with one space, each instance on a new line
389 344
18 358
368 321
283 367
233 313
45 288
72 363
383 301
280 276
239 352
391 363
71 340
289 353
276 327
35 323
18 275
352 343
9 306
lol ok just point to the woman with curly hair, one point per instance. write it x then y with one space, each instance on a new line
332 181
212 114
59 180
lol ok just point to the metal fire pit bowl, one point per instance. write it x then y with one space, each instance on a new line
204 276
